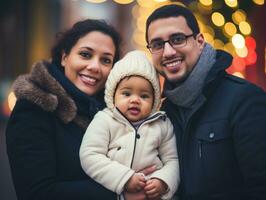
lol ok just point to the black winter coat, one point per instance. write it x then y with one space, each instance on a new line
222 142
44 134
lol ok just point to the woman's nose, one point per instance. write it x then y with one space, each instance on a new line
94 65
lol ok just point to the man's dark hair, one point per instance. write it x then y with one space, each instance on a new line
173 10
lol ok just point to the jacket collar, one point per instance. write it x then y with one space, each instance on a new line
116 113
43 89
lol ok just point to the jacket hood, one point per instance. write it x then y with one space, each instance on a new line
223 61
42 89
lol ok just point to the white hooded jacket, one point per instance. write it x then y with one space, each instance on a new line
112 150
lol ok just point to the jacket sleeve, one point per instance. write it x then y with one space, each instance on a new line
32 155
249 130
93 156
169 173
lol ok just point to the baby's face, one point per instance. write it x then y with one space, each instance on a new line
134 98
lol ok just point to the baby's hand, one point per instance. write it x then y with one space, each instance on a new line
155 188
136 183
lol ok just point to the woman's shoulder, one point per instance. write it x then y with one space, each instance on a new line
27 112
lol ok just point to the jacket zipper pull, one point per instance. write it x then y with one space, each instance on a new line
200 149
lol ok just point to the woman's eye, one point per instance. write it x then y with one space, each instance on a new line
107 61
85 54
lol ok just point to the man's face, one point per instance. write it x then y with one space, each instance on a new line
175 63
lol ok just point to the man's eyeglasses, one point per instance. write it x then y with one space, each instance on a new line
176 41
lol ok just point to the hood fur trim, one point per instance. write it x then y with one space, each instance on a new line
40 88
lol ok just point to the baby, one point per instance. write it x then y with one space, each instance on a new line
131 134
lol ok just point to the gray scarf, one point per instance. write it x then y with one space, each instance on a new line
185 94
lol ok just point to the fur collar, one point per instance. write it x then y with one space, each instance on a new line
42 89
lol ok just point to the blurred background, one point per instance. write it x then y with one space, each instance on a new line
28 29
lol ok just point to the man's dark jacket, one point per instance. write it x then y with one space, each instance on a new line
222 141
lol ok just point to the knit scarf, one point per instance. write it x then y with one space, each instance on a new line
185 94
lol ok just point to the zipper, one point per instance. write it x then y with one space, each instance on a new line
200 149
136 131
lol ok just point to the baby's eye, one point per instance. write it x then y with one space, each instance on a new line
144 96
127 94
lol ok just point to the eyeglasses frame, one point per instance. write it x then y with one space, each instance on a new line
164 41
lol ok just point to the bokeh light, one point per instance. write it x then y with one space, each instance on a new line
229 29
239 16
238 41
217 19
123 1
245 28
259 2
231 3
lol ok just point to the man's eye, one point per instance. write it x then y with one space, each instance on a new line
179 39
157 44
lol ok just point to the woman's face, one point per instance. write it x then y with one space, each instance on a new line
89 62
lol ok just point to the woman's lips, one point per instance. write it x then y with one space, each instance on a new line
88 80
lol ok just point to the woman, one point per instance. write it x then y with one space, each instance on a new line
55 104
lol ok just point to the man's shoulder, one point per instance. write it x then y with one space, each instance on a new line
235 79
241 83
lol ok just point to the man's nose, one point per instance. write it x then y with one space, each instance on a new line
168 50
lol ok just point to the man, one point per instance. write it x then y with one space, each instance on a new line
219 119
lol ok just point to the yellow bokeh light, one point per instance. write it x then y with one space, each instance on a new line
123 1
239 16
203 9
206 2
208 37
11 99
139 38
218 44
229 47
245 28
243 52
96 1
238 41
259 2
231 3
230 29
135 11
160 0
146 4
141 23
217 19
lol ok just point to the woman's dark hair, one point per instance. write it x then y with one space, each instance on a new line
66 40
173 10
